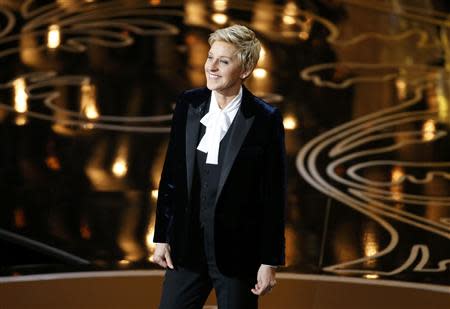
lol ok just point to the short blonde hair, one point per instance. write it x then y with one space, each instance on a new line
244 39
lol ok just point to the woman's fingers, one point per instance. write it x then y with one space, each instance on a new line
261 289
158 259
163 263
168 259
162 256
265 281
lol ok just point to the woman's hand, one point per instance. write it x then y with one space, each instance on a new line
162 255
265 280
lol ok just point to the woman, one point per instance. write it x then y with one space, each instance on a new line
220 209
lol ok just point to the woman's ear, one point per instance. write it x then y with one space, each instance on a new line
245 74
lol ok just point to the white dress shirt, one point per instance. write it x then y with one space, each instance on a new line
217 122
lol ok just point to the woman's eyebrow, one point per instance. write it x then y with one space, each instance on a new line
211 54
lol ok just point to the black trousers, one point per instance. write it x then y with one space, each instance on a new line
189 287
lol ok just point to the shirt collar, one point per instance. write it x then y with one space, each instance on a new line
235 102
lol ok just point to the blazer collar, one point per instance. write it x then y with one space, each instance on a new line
244 119
196 110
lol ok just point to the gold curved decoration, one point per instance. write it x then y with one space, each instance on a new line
62 116
10 21
349 145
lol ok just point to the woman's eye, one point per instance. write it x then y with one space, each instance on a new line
224 61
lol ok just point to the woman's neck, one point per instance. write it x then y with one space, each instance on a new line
224 99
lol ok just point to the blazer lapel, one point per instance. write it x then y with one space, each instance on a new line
194 115
243 122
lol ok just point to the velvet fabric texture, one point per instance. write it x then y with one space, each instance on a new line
251 195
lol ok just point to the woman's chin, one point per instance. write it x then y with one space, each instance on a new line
212 86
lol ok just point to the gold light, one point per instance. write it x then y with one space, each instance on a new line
288 20
88 101
397 174
262 53
149 238
195 13
371 276
53 163
370 250
220 5
370 244
220 18
396 193
401 88
291 8
21 120
263 17
124 262
151 227
290 122
120 167
263 60
20 95
303 35
155 194
260 73
306 29
91 112
289 12
20 100
429 130
53 36
442 105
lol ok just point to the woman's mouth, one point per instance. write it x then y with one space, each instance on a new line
213 76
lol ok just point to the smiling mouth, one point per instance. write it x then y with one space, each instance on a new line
212 76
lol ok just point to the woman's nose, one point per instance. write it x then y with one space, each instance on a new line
212 65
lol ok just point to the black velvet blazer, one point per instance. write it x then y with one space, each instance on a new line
251 195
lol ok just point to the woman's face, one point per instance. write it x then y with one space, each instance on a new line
223 70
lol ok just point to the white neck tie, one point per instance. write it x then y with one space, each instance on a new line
217 122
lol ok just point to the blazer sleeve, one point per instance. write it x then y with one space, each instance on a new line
274 195
165 201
